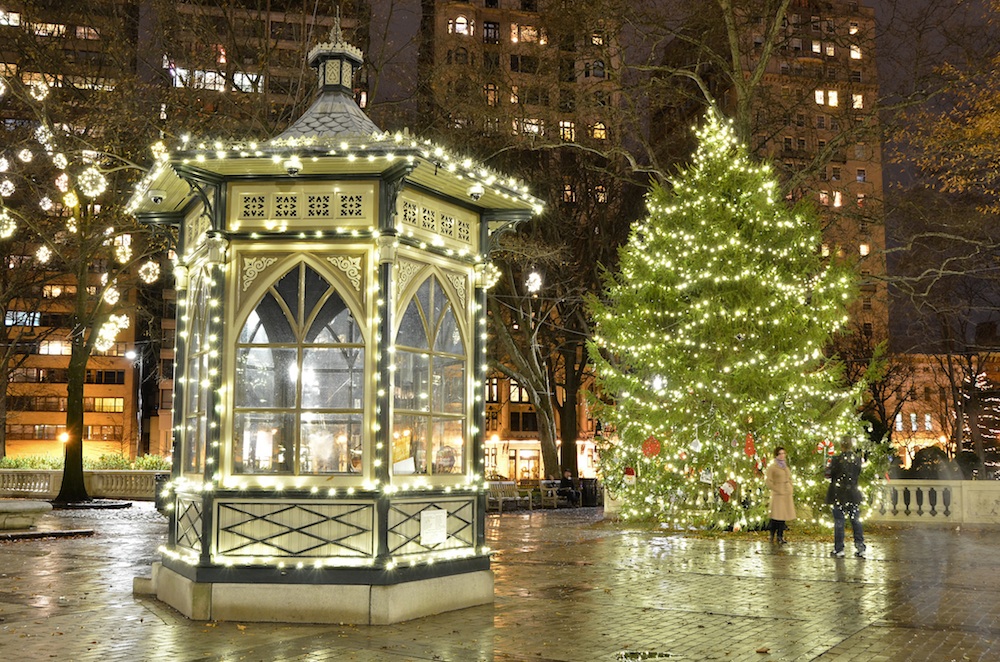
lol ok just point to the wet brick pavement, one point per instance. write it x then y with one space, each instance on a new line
568 588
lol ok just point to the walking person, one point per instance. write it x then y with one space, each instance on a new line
845 497
779 481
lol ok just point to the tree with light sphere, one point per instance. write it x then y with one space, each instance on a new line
709 344
62 208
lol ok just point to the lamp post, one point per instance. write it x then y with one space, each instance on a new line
138 358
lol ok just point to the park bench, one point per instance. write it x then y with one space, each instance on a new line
550 495
499 492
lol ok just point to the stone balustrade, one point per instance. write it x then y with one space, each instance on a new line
101 484
936 501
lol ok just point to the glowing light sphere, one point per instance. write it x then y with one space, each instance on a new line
123 253
159 150
25 155
43 254
71 200
149 272
4 164
71 221
534 282
39 90
7 224
62 182
44 136
60 161
92 182
112 296
45 203
6 188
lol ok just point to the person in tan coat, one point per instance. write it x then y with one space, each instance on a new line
779 481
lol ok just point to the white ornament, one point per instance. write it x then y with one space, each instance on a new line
92 182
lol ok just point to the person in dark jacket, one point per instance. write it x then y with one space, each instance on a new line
845 497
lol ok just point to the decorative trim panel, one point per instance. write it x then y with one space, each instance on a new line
403 533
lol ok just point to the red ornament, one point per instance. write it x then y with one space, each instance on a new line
749 447
651 446
726 490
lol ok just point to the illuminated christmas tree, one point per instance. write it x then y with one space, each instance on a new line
710 345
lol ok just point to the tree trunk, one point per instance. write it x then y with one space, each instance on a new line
569 428
73 489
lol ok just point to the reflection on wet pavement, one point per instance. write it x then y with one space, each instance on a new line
569 587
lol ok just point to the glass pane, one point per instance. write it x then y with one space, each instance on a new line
330 443
316 287
448 443
448 337
192 387
411 380
448 392
334 324
194 445
333 378
265 377
439 299
263 443
267 324
411 329
288 290
409 445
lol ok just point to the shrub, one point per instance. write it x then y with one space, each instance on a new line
151 463
32 462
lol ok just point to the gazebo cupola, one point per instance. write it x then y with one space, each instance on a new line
330 350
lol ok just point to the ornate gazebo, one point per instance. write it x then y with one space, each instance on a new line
330 356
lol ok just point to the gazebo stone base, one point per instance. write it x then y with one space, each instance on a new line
356 604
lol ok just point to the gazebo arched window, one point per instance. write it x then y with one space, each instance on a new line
195 373
299 387
429 395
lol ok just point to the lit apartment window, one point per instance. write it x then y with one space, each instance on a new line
899 422
525 33
831 50
517 393
493 390
824 198
567 130
820 97
853 28
460 25
838 199
864 249
48 29
862 175
10 18
866 303
817 47
514 96
569 193
599 131
835 173
855 52
831 98
492 93
597 39
600 194
861 200
532 126
857 101
913 422
85 32
928 423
